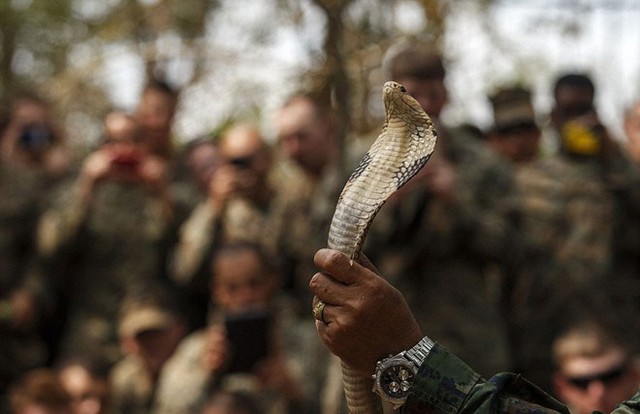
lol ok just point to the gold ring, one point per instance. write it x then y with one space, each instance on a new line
317 311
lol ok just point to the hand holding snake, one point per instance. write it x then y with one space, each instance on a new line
403 147
362 308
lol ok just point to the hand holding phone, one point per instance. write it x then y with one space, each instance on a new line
248 336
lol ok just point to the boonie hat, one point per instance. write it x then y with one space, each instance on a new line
512 107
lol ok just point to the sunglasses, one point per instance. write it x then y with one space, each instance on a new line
605 378
517 128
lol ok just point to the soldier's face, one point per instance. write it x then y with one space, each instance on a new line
155 116
305 137
597 383
570 103
240 282
156 346
89 394
519 144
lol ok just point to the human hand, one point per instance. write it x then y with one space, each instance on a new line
23 308
221 186
274 374
365 318
153 172
226 182
96 165
585 135
216 349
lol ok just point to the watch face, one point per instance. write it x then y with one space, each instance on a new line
396 380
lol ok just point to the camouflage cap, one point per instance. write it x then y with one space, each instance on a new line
512 106
146 317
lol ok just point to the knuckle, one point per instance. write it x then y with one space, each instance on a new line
334 259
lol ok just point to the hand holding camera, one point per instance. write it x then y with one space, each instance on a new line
36 137
585 137
235 178
116 161
126 158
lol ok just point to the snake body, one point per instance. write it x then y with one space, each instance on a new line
404 145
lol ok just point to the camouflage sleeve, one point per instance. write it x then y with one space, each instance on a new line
183 381
445 384
485 209
630 406
61 223
195 240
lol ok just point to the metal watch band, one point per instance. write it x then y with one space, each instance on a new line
419 351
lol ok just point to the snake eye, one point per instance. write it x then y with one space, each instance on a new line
402 88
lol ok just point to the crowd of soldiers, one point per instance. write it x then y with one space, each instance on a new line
126 271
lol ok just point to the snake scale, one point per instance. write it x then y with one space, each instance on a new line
404 145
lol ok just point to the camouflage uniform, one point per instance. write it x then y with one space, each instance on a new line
580 228
185 383
309 209
109 249
445 384
132 387
294 226
441 253
205 228
241 220
23 193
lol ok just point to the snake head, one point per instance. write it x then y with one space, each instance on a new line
391 92
397 99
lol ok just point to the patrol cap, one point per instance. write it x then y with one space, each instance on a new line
512 107
143 317
414 59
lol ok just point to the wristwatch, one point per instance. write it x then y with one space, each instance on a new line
394 375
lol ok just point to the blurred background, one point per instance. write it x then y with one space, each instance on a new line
239 58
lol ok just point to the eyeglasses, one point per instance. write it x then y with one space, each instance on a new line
517 128
605 378
245 162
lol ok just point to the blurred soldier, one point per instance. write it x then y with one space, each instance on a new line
515 134
246 344
595 369
243 204
86 381
579 211
442 236
151 326
155 114
307 138
40 391
108 233
33 157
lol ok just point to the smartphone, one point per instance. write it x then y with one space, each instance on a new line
249 338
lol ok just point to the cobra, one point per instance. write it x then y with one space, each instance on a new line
406 142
